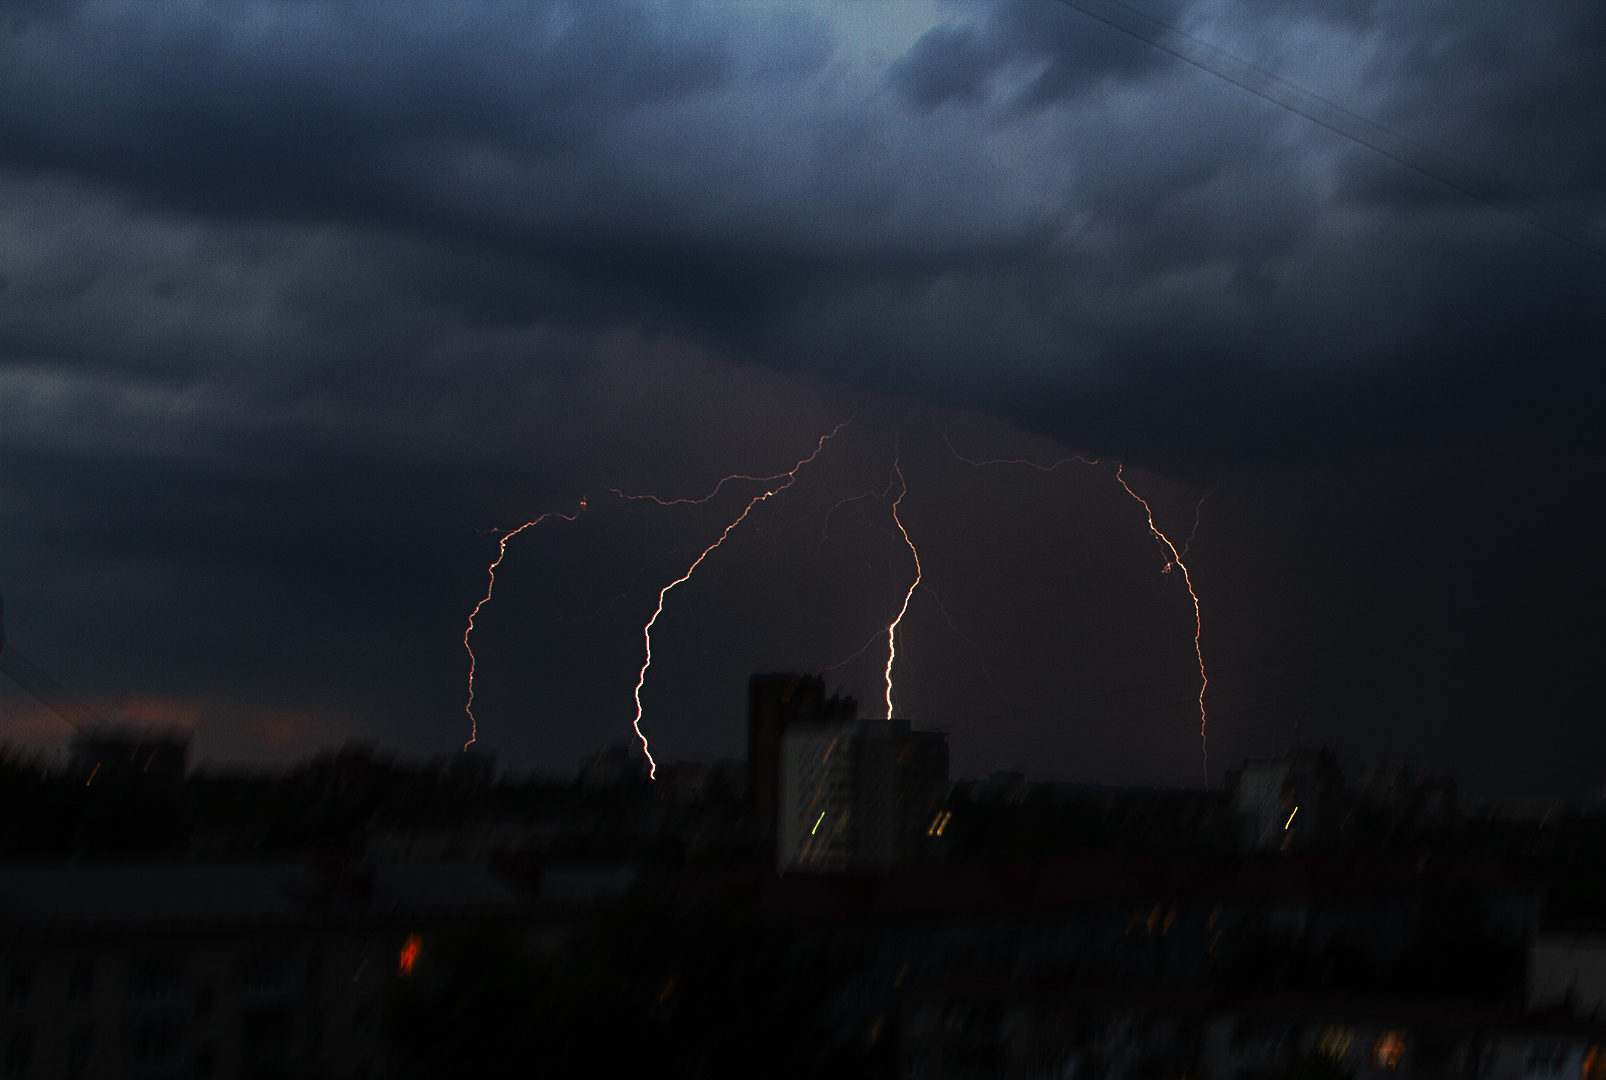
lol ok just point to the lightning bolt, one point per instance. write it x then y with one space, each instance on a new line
1013 461
892 627
787 479
1197 511
490 586
739 476
1175 560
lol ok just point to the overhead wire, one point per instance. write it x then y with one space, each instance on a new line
1319 110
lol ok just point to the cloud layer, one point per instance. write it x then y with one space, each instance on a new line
295 296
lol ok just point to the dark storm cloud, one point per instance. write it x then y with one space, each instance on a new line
298 296
300 108
956 63
775 184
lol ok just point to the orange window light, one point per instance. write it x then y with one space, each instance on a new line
408 955
1387 1048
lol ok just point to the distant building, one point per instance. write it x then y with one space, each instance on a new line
775 700
470 771
1433 804
861 795
155 756
1287 803
356 772
681 781
1384 788
1000 787
614 768
1567 972
1538 813
727 781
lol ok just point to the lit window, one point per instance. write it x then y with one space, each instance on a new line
1334 1043
408 955
1594 1064
1387 1048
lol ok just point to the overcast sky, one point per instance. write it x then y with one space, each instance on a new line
301 302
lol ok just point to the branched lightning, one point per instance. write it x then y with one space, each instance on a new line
1013 461
734 476
787 479
1175 560
490 585
877 636
860 651
1173 557
892 627
951 624
1198 510
825 528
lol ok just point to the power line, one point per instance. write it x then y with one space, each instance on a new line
1335 118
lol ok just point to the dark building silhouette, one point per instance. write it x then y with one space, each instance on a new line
681 781
356 772
774 701
1433 804
1384 788
153 756
614 768
1396 793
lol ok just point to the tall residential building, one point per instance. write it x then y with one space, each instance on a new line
775 700
862 795
1287 803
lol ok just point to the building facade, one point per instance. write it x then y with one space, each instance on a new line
1289 803
776 701
865 795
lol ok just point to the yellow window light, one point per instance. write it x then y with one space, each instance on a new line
1335 1042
